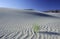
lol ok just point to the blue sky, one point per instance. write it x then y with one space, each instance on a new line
33 4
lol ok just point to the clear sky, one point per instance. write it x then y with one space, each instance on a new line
33 4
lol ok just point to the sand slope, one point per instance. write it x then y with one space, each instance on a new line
15 24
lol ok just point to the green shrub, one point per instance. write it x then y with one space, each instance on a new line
35 28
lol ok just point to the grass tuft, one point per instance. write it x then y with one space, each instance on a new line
35 28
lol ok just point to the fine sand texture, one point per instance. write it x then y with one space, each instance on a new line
18 24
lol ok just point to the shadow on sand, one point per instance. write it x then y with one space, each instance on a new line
41 14
50 33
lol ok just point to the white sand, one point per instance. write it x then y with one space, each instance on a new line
18 25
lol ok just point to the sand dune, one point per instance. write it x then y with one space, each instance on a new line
17 24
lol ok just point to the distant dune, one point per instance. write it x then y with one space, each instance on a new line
52 11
